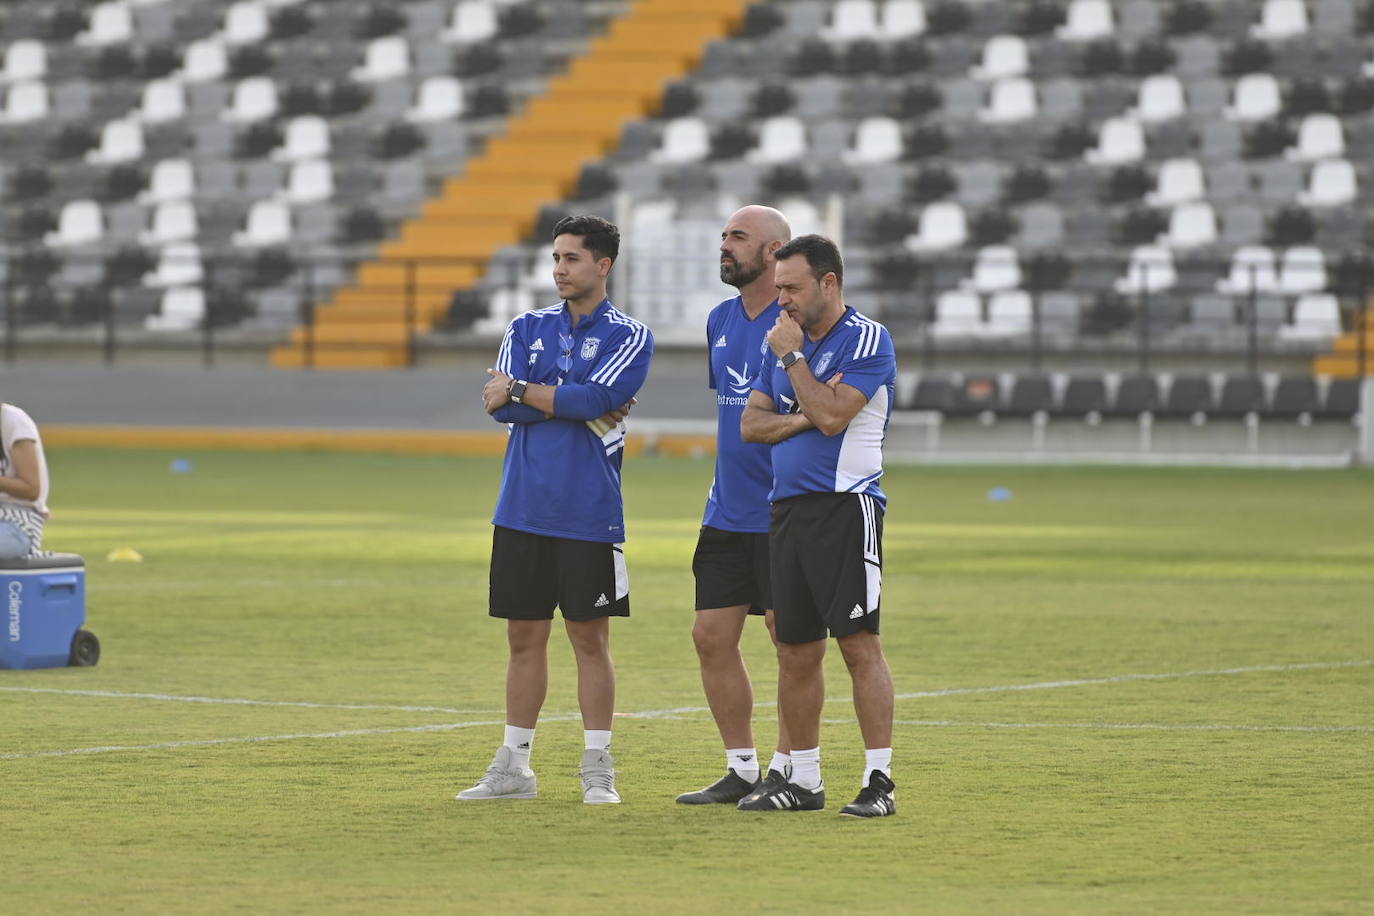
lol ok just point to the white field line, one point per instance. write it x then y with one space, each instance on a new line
674 712
235 701
1130 726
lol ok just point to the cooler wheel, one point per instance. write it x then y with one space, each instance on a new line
85 649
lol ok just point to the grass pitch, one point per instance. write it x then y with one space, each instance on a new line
1122 691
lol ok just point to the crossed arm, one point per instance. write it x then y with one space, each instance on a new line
26 482
540 399
827 406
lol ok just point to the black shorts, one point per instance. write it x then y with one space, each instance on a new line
531 574
827 551
731 569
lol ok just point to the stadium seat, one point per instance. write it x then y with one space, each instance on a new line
1009 313
1179 181
781 139
977 394
1160 99
80 223
24 103
163 100
178 264
995 268
1256 98
120 141
1252 269
246 23
1281 20
1333 18
1320 136
26 59
473 21
173 221
1135 395
1030 394
851 20
439 98
1302 270
1330 184
306 137
1084 395
1042 227
1151 270
1087 20
254 99
110 23
1295 397
182 308
1342 400
1241 395
1009 101
386 58
933 393
1316 316
1003 56
902 19
958 313
203 60
942 226
171 179
1120 140
684 140
1191 225
876 140
309 181
269 223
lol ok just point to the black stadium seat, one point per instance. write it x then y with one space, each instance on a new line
1030 394
1189 395
1241 395
933 393
1294 396
1083 395
977 394
1136 394
1342 399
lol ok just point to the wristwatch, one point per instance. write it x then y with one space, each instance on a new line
516 390
790 359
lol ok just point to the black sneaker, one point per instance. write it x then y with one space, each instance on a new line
775 793
875 799
729 789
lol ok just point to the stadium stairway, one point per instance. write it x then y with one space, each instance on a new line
1345 357
496 200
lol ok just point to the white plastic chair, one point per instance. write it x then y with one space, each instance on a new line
386 58
1315 316
309 181
1191 224
171 179
958 313
439 98
1160 99
684 139
173 221
1281 19
246 23
182 308
877 139
110 23
781 139
163 100
269 223
853 19
1010 100
254 99
1003 56
1256 98
942 226
1331 184
1319 137
1179 181
473 21
802 215
1151 270
1303 270
307 137
996 268
25 102
903 19
120 141
178 264
1120 140
1252 269
205 59
1087 20
25 59
1009 313
80 223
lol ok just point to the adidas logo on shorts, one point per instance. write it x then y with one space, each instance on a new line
856 613
602 601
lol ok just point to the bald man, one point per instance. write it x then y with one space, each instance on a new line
731 561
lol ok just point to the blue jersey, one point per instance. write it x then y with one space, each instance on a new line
560 478
744 472
850 461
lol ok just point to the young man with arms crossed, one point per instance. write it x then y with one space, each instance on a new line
564 378
731 560
825 534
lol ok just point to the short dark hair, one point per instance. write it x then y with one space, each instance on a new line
599 236
822 256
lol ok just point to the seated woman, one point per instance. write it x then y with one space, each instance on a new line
23 484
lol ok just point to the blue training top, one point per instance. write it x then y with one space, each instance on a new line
738 500
559 478
852 460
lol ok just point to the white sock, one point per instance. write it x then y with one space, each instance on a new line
596 740
521 742
877 758
744 761
781 762
806 768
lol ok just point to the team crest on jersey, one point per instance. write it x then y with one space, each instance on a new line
590 346
824 362
533 357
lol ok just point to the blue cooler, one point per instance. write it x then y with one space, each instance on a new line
45 605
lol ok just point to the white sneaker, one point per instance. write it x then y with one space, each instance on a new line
598 778
502 780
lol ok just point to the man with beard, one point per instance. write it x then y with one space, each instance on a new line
731 561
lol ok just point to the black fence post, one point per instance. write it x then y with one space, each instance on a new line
1252 324
1361 330
1036 355
208 319
410 313
1143 316
11 320
927 307
108 348
308 318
